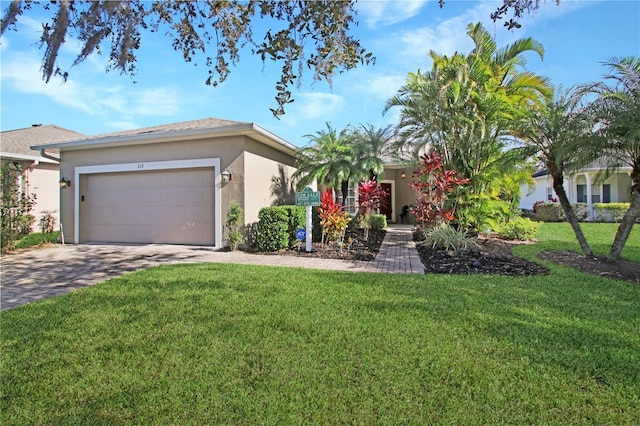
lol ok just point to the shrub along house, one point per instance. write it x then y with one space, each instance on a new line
168 184
582 186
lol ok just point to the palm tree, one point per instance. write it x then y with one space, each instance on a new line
465 106
327 160
371 148
555 130
618 112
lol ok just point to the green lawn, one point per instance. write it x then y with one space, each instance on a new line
36 239
232 344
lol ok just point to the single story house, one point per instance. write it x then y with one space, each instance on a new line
173 183
581 186
39 175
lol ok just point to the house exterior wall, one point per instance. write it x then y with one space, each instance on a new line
228 149
261 165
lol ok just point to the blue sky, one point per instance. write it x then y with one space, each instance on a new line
577 36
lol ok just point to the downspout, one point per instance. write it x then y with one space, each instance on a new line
47 156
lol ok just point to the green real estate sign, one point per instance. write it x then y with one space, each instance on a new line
308 197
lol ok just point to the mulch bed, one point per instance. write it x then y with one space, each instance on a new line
622 269
355 247
492 256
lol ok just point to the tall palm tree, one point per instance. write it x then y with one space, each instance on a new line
555 130
618 110
328 159
465 106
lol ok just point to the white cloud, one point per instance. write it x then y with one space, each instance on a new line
312 106
388 12
450 35
22 74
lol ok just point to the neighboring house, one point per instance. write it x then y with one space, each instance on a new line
581 187
167 184
40 175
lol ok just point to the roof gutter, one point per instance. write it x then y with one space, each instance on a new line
43 154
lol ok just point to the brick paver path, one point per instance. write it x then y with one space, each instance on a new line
37 274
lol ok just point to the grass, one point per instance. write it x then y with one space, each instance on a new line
232 344
36 239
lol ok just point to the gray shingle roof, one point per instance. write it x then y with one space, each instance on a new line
205 123
19 141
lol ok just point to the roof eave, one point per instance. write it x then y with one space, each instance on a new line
246 129
26 157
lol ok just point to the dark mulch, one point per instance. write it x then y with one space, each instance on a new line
492 256
622 269
354 248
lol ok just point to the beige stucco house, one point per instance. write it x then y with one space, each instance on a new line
167 184
39 175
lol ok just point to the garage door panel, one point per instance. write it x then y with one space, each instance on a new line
154 197
173 207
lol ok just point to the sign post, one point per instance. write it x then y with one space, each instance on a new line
308 198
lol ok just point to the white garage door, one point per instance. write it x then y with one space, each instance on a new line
167 206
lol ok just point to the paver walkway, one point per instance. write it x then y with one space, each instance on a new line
37 274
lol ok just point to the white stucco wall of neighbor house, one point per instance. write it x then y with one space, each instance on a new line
615 189
42 180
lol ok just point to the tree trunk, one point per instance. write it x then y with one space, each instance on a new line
628 220
558 187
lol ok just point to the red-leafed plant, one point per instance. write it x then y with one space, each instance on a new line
537 203
433 185
370 196
333 218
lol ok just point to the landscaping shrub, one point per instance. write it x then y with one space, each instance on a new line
47 225
16 220
610 212
552 212
277 226
235 217
433 184
378 222
518 229
333 219
370 195
446 237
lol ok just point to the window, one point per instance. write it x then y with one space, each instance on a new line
582 193
549 193
606 193
352 201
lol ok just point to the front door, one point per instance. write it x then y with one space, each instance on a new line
385 202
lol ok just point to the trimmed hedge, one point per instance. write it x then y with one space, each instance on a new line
610 212
378 222
552 212
521 229
277 227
